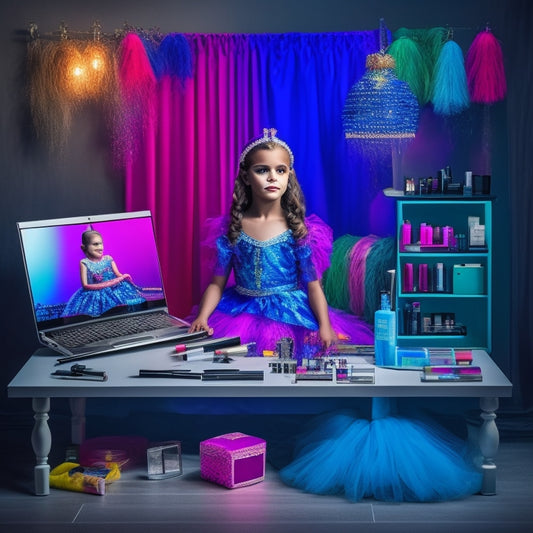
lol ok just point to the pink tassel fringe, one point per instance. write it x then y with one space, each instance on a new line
357 273
485 70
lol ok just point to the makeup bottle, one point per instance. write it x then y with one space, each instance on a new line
423 277
385 333
439 277
407 320
408 277
416 321
405 237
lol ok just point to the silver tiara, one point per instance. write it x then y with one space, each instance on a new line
269 135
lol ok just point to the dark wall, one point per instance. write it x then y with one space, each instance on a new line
37 185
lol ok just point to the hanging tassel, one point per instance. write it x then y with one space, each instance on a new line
485 70
137 84
357 273
176 56
137 79
335 279
411 67
450 89
151 47
381 258
430 42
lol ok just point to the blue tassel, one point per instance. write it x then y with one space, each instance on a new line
450 89
155 58
176 56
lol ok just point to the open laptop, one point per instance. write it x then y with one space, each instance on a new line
111 312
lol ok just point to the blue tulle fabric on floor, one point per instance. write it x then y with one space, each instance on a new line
390 458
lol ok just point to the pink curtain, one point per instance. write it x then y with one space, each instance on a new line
185 171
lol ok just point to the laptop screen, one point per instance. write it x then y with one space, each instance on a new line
116 272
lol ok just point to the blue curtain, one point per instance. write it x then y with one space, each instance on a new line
303 82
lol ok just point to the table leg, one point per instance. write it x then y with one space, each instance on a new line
489 441
77 420
41 440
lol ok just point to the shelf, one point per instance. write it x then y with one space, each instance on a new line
400 195
408 295
473 310
444 254
439 337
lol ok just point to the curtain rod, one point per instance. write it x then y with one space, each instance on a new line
95 33
152 33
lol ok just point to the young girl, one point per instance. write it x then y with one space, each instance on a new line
102 285
277 257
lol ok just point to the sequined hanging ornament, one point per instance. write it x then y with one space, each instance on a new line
381 113
380 107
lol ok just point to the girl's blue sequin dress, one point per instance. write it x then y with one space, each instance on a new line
268 299
98 301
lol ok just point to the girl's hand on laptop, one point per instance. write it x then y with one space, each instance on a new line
200 325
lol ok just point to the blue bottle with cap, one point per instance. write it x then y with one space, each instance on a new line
385 333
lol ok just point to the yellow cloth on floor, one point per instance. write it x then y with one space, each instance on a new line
74 477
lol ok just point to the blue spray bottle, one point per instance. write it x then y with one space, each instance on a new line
385 329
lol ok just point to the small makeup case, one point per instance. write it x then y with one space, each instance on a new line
233 460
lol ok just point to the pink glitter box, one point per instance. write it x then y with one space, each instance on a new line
233 460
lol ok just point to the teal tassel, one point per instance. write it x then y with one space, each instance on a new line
380 259
450 89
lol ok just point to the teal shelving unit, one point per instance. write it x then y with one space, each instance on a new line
471 311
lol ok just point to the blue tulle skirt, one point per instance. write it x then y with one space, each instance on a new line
390 458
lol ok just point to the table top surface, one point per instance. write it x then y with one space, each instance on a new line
35 380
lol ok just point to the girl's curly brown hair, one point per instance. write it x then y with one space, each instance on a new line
292 201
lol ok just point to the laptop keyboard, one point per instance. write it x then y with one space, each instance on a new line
111 329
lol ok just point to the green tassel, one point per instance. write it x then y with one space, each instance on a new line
335 279
411 67
430 42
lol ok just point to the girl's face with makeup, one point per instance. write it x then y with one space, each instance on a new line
268 174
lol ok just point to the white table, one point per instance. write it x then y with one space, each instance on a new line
35 381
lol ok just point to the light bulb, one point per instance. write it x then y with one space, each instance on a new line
97 63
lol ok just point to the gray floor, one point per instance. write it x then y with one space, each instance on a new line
189 504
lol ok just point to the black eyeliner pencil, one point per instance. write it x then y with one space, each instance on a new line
180 374
244 375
